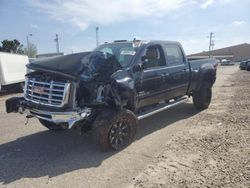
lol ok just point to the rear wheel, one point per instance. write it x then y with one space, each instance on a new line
202 98
52 126
115 130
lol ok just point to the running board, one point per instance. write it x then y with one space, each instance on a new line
167 106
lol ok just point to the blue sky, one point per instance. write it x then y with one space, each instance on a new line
187 21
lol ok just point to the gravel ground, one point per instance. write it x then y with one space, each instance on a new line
180 147
214 150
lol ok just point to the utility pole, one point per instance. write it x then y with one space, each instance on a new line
213 44
57 43
28 44
97 36
211 36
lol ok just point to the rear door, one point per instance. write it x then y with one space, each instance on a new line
177 80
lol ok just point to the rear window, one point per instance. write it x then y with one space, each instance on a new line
174 55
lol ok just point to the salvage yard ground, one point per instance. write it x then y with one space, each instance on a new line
180 147
214 149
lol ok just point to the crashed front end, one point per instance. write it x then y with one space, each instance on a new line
56 94
48 98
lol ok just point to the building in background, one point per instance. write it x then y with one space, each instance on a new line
233 53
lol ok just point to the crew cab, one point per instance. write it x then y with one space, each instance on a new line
108 90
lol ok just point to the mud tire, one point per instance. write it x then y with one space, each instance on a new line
202 98
106 129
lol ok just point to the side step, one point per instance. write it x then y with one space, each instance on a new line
161 108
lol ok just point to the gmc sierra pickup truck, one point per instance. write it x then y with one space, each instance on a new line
109 89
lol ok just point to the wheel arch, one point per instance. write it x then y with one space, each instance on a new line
206 75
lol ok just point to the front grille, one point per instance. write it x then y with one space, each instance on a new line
52 93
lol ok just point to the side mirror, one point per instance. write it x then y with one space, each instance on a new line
138 67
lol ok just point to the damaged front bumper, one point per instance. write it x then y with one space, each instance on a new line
16 105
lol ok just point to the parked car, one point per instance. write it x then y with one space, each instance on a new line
12 69
248 66
109 89
243 65
225 62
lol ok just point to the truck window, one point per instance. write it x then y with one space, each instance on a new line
124 52
174 55
107 50
154 57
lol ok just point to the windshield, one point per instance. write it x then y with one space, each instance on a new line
124 52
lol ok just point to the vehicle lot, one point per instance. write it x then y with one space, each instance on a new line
178 147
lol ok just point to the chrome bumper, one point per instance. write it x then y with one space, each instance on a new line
57 117
15 104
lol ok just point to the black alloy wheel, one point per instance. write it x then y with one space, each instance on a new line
114 129
120 134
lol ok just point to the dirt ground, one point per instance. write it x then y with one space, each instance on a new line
180 147
214 150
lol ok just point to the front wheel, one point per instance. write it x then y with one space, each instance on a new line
202 97
52 126
115 129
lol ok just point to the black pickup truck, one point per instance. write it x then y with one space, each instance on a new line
109 89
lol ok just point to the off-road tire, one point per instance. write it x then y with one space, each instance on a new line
108 125
51 126
202 97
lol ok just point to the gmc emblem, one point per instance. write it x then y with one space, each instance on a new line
39 90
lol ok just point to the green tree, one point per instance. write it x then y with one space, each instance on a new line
32 52
12 46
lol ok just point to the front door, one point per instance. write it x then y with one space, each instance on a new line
151 87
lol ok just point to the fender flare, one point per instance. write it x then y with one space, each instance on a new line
207 73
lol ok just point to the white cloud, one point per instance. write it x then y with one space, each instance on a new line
207 3
83 13
238 23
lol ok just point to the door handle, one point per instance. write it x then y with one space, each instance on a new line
164 74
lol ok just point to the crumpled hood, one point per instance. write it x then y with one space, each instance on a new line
67 64
87 65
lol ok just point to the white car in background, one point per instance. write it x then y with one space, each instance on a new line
12 69
225 62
